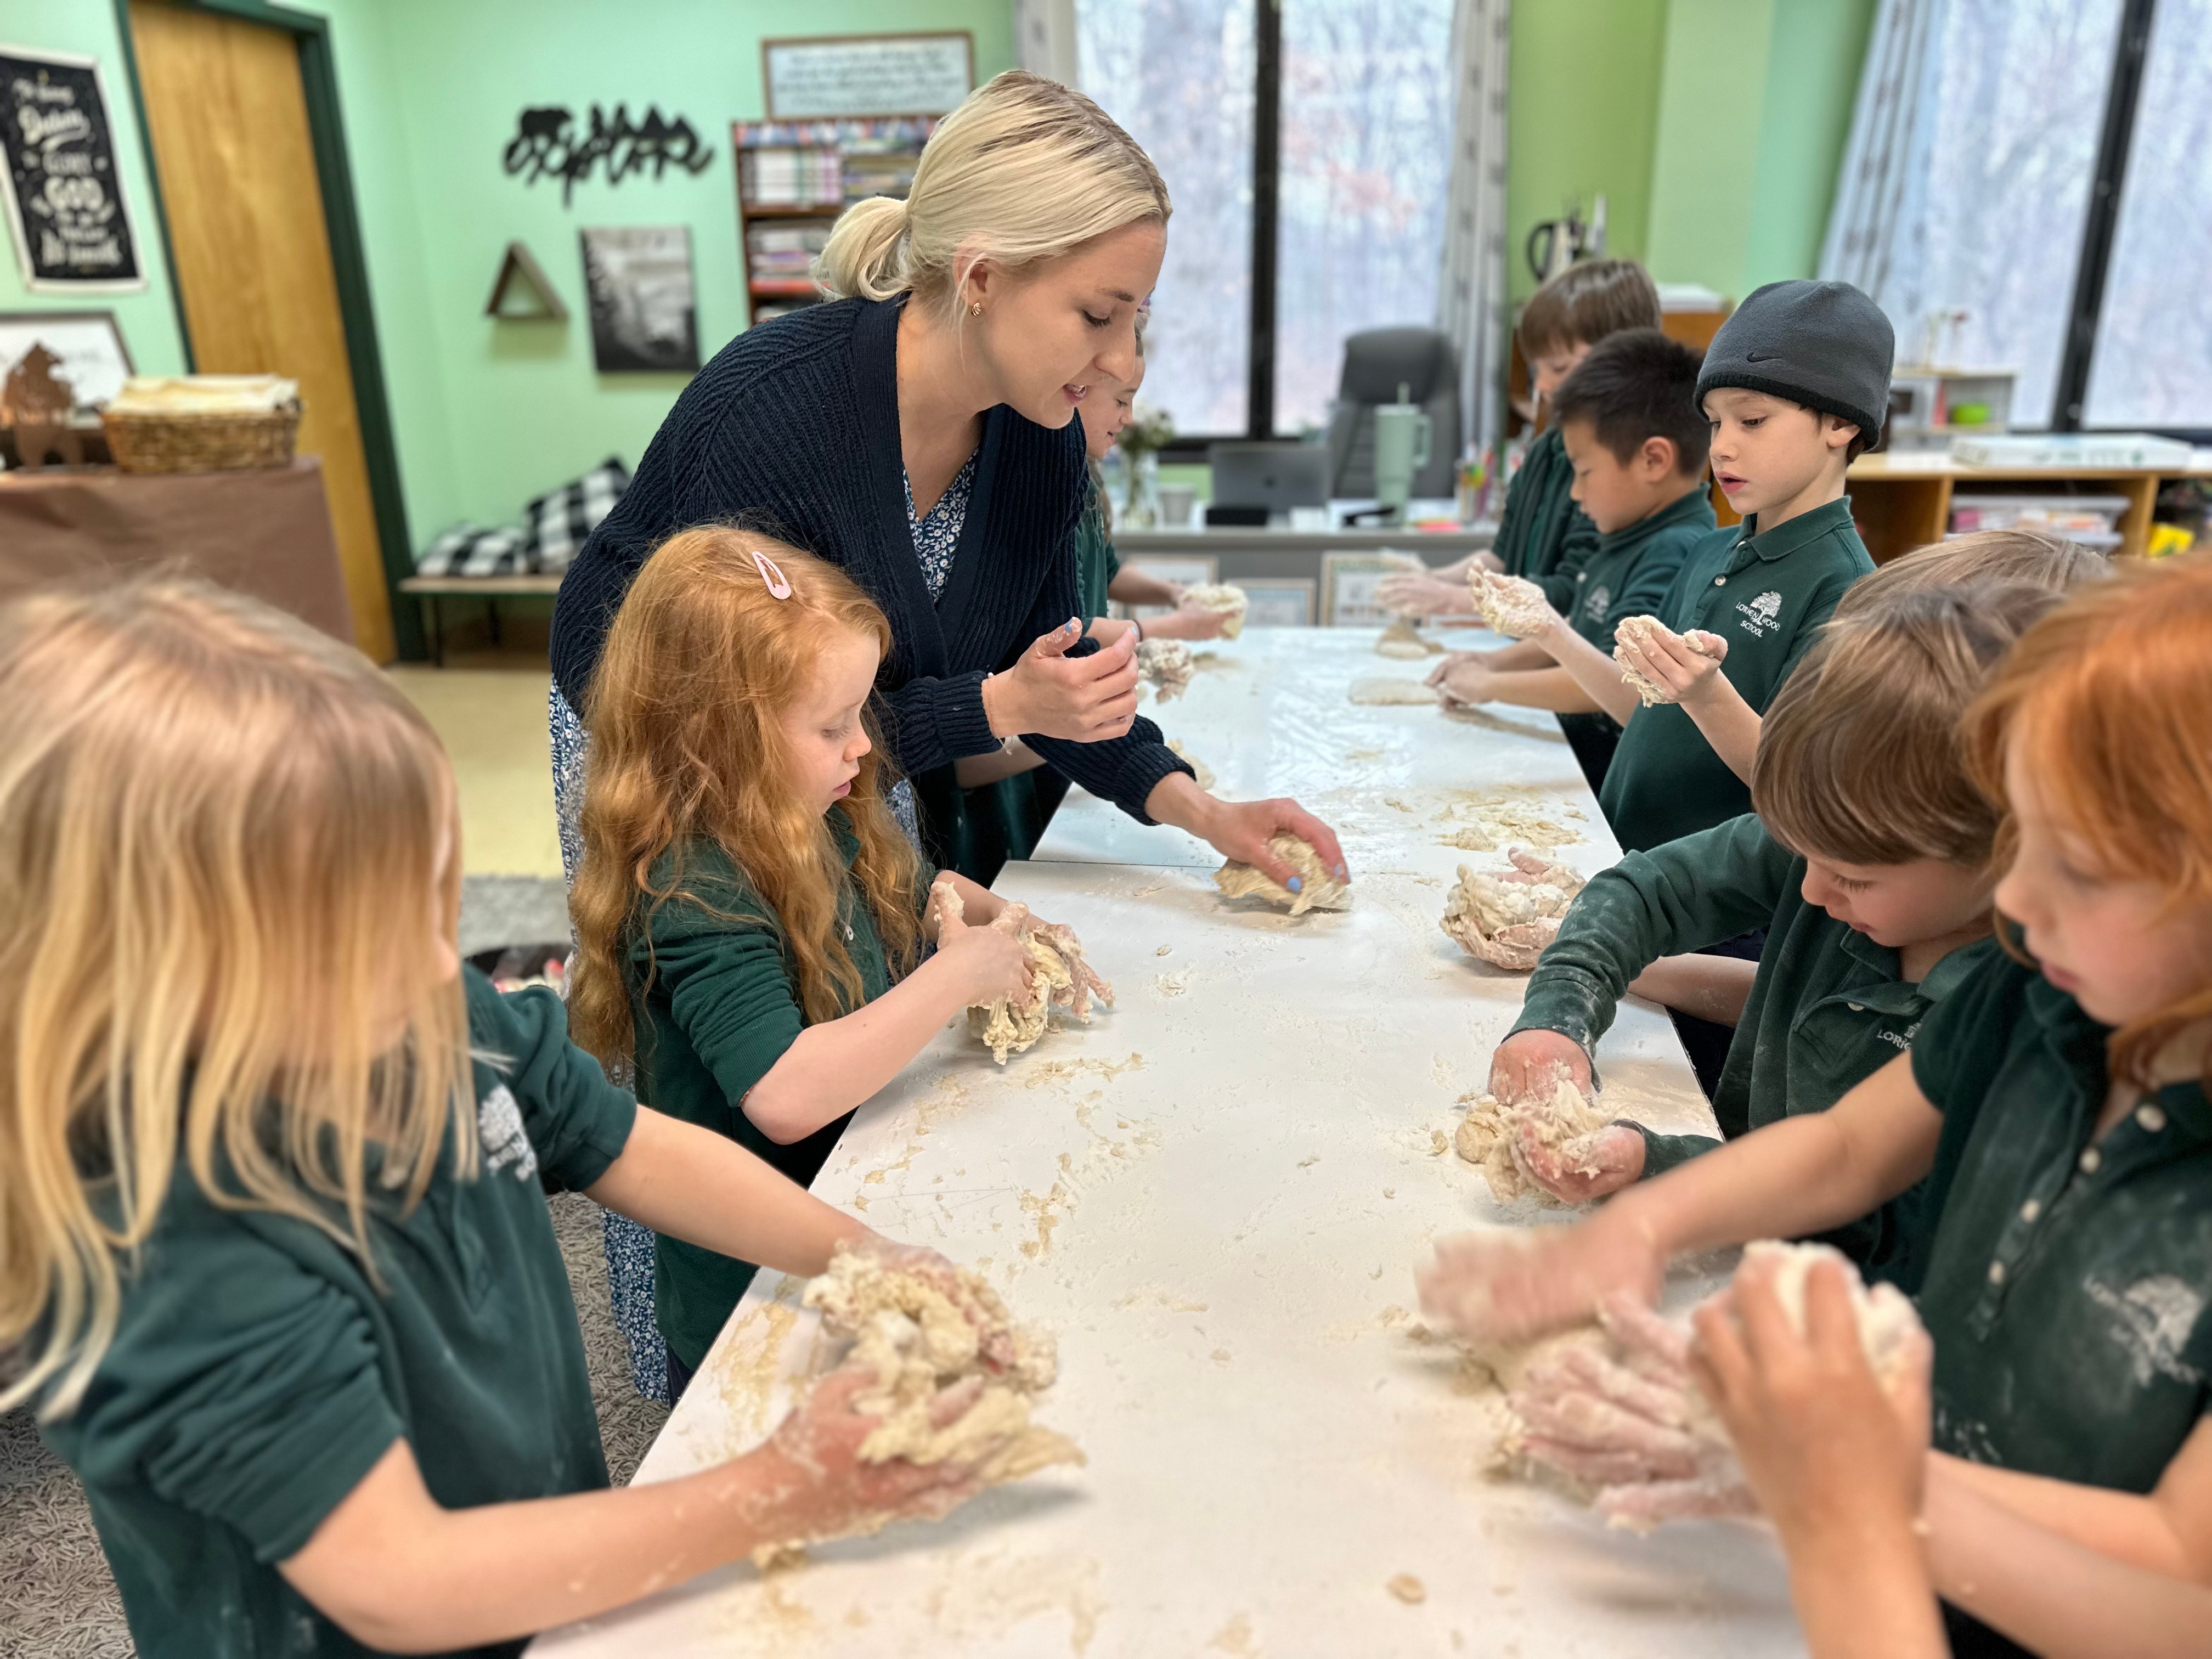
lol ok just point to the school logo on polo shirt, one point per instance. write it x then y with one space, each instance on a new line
499 1128
1761 615
1599 602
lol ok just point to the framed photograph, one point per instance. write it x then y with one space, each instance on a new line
85 348
829 75
1191 569
59 185
1348 586
645 318
1279 601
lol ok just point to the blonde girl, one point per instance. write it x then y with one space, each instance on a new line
277 1260
2056 1102
748 919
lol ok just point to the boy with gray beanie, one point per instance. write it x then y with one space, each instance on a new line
1794 386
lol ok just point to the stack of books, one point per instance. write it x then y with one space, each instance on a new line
780 254
791 178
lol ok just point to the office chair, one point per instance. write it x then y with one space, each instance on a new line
1376 363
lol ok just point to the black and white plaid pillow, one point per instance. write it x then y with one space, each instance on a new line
555 523
469 550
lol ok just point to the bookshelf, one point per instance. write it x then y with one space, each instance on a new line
794 178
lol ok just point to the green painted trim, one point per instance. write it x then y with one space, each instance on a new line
350 265
152 175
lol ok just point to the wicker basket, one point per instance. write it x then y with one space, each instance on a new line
202 442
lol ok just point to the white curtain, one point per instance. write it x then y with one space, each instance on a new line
1877 228
1044 37
1471 305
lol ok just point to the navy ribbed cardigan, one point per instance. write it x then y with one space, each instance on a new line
794 427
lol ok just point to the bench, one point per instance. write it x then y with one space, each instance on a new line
431 591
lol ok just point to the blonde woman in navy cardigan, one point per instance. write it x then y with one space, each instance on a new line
920 433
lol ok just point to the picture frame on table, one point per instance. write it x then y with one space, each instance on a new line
87 346
1279 601
1347 585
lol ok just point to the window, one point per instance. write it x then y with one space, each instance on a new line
1352 223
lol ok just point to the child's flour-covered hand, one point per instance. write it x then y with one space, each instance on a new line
986 962
1509 1285
1422 593
1525 1064
1464 680
829 1490
1685 668
994 1327
1586 1167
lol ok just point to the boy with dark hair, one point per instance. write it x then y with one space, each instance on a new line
1628 422
1540 534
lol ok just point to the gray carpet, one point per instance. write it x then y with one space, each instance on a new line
57 1600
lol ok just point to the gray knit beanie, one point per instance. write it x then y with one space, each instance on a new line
1824 345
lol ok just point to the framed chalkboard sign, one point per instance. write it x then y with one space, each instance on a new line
828 76
59 185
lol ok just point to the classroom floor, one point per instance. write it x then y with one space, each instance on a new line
489 710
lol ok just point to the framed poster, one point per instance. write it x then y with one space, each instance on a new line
85 349
1348 586
1279 601
59 185
809 78
645 318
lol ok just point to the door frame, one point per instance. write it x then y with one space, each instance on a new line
319 82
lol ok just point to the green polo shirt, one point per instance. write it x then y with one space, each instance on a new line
1630 571
2067 1281
258 1372
715 996
1096 563
1766 592
1826 1010
1541 534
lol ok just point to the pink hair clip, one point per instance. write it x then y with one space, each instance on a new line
779 585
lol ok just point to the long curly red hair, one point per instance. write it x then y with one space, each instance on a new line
686 746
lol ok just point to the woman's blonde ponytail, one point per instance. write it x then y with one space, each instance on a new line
1025 169
865 254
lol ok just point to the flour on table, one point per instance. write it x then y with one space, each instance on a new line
1507 918
1224 599
1644 632
1059 977
1205 773
1563 1118
1483 821
1390 690
1318 887
1406 642
1166 665
1513 606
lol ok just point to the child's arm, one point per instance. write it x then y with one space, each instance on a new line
1134 587
1707 696
1010 760
399 1572
1597 674
1801 1175
1835 1461
1713 988
1550 688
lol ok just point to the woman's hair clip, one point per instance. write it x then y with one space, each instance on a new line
779 585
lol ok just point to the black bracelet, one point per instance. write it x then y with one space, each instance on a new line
1138 622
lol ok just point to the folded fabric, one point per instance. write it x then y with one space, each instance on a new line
204 394
556 524
469 550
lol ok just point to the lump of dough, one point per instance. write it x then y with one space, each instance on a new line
908 1333
1406 642
1644 632
1485 1135
1166 665
1059 977
1511 606
1318 887
1507 919
1388 691
1229 601
1203 773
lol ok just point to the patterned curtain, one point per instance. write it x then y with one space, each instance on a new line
1471 305
1877 228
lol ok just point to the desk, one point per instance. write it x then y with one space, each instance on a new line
1215 1196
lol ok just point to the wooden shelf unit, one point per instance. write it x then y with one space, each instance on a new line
1902 500
840 162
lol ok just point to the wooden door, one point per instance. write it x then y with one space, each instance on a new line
228 119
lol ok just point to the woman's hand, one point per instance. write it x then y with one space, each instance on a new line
830 1492
1690 675
1078 698
1241 830
1828 1452
1515 1284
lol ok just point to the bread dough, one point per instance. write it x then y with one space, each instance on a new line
1060 977
1406 642
1202 771
1229 601
1392 691
1485 1135
1511 606
1165 664
1318 887
910 1333
1889 1329
1643 632
1507 919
